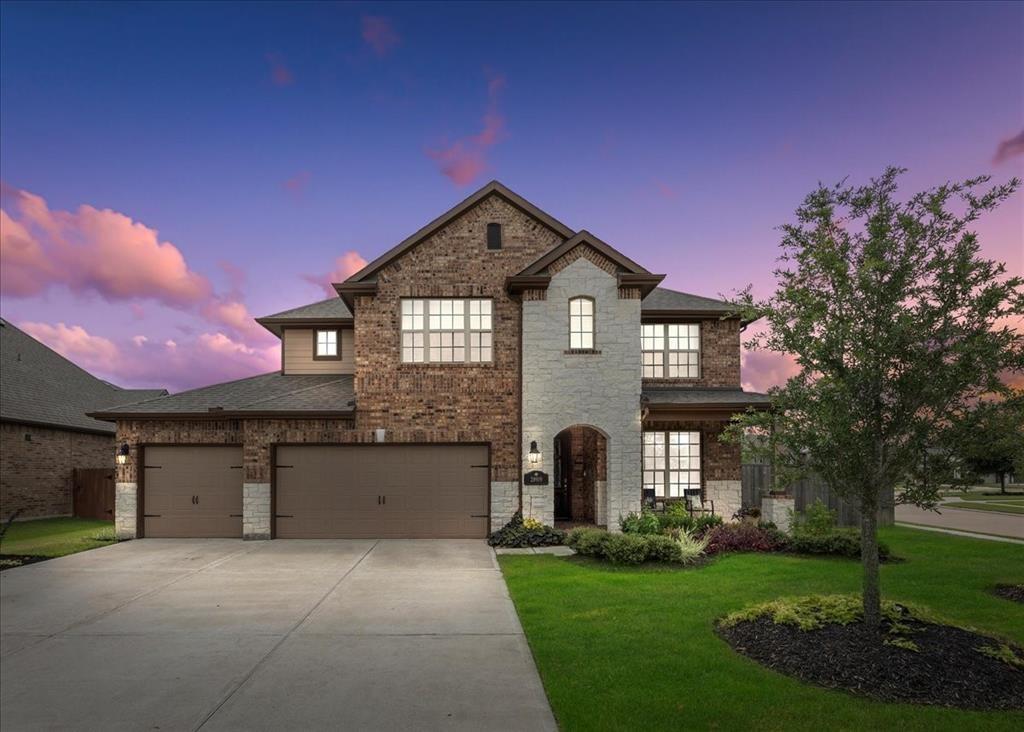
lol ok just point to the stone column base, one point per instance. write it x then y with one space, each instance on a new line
126 501
255 511
539 503
778 510
727 496
504 502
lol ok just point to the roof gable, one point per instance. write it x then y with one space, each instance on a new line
368 272
583 238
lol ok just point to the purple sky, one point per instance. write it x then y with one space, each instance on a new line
170 170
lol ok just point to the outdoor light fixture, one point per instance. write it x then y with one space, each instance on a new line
534 453
122 454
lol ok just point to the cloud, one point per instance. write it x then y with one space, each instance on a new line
297 184
1009 148
140 362
465 159
344 267
280 74
380 35
665 190
765 369
91 251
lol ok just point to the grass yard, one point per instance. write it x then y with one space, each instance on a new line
989 496
634 648
1007 507
56 537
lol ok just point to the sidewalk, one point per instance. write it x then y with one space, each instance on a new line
977 522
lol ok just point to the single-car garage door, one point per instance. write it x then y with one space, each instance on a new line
381 491
192 492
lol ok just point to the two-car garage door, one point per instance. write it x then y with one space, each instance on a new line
385 491
335 491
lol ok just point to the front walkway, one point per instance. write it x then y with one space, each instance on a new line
305 635
977 522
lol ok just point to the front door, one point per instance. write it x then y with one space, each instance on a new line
563 479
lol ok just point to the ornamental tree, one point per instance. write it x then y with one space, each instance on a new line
991 439
897 322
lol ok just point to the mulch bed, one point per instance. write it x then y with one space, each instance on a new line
1010 592
946 671
10 561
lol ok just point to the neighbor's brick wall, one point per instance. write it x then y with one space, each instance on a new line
36 475
450 402
719 355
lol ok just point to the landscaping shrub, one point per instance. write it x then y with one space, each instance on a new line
691 547
520 533
588 541
703 524
663 549
626 548
743 537
645 522
837 542
817 519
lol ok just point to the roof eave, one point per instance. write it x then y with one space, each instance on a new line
277 325
518 283
348 291
228 414
57 426
646 282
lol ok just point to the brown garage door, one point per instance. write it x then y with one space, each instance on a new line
192 492
382 491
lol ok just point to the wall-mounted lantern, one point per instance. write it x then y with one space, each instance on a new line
534 453
122 454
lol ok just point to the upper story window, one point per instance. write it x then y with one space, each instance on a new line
494 236
327 344
448 330
671 350
581 322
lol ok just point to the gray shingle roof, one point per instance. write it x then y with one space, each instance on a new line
273 392
662 298
39 386
333 308
687 396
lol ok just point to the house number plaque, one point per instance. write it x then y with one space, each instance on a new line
536 477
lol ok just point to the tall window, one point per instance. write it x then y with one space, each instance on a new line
671 350
581 322
326 345
446 331
672 463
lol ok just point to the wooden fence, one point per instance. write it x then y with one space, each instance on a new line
93 493
757 480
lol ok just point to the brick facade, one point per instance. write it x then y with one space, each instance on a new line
450 402
719 355
36 474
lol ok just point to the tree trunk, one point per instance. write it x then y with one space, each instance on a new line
1002 482
872 597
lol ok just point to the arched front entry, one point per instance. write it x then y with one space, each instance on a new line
580 475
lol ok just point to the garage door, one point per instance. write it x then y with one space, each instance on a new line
384 491
192 492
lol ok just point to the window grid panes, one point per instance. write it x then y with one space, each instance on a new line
446 330
672 464
581 322
670 350
327 343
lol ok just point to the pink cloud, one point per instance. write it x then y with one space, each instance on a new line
1009 149
209 358
380 35
280 74
762 370
665 190
463 160
92 250
297 184
344 267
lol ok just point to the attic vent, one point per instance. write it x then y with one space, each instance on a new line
494 236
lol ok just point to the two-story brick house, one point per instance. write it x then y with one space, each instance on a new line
492 343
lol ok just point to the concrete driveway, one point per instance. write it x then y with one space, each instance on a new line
224 634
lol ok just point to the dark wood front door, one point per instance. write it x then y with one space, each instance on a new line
563 478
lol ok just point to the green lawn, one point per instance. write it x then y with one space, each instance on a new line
1009 507
56 537
634 648
988 496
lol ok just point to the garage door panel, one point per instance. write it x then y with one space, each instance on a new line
193 492
336 491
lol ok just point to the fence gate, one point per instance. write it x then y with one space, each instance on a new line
93 493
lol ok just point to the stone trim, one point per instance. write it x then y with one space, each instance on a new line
126 497
504 502
583 251
255 511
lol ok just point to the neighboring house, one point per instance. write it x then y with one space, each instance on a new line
493 342
44 431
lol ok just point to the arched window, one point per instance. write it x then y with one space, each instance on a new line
581 322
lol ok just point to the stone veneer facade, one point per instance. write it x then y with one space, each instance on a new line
600 389
36 474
